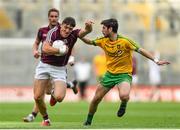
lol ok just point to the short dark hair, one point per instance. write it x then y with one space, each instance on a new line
69 21
111 23
53 10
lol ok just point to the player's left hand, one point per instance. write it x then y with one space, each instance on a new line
71 60
162 62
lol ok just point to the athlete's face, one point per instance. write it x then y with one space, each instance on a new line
66 30
53 18
106 31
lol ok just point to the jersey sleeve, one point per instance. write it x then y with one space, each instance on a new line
97 41
76 32
39 35
132 45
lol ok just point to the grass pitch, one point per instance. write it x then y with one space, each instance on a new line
72 116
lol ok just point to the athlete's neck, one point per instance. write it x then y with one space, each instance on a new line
113 37
51 26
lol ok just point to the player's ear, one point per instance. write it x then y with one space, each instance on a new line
110 29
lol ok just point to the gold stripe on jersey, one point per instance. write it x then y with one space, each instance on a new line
118 53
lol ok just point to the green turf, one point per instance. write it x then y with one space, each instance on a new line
72 116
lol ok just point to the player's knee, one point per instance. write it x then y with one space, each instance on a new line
48 92
124 97
38 98
59 98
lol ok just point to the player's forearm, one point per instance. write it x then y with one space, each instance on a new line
83 33
87 41
49 49
146 54
36 45
151 57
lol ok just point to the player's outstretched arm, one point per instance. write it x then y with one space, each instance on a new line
87 29
87 41
148 55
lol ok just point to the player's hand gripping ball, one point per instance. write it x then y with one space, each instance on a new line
63 49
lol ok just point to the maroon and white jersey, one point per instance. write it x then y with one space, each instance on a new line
53 35
41 35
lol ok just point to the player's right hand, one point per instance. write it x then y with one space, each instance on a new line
36 54
88 25
162 62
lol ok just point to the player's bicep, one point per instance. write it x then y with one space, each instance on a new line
82 33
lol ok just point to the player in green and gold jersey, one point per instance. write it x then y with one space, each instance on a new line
118 51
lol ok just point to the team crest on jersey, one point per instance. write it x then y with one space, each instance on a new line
65 41
113 50
44 35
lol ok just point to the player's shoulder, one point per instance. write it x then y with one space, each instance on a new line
101 38
54 30
125 38
44 28
122 37
77 30
47 28
75 33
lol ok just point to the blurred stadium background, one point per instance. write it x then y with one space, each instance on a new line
154 24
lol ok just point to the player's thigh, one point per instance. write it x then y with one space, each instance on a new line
58 73
39 87
49 87
59 76
124 88
42 71
59 88
100 92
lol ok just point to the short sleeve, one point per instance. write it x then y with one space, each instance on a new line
76 32
132 45
97 41
39 34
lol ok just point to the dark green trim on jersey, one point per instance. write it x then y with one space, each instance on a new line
130 41
93 41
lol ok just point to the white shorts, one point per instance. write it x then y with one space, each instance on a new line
46 71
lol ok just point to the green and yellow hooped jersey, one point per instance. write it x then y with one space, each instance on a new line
118 53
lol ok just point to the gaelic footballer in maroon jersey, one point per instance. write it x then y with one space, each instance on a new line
65 33
53 35
53 16
54 67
